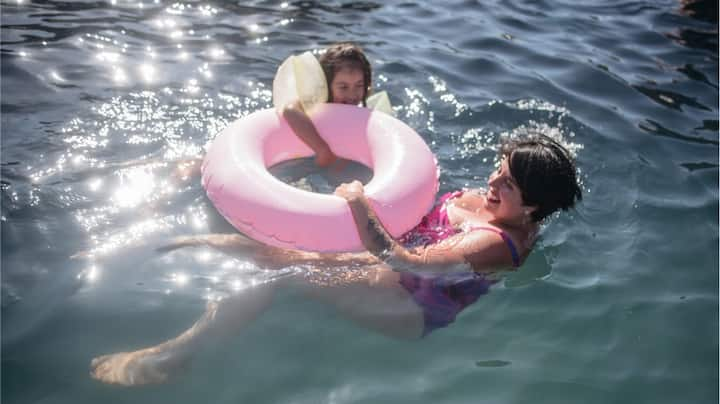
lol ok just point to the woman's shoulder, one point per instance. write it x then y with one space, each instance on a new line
519 240
500 244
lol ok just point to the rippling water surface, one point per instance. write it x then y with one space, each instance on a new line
102 102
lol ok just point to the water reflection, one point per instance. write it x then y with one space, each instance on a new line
694 74
698 38
670 99
365 6
704 10
655 128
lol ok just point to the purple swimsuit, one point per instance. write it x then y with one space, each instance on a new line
443 297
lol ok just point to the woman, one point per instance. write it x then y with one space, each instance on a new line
467 235
485 229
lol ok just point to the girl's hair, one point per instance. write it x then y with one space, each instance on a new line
346 55
545 172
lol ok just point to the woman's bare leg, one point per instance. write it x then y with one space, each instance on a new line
374 299
359 285
155 364
371 296
268 256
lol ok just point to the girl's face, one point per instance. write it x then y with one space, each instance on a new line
348 86
503 197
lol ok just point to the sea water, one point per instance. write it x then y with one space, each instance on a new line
106 105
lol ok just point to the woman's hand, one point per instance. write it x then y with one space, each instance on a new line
351 191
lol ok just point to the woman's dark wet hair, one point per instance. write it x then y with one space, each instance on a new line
545 172
346 55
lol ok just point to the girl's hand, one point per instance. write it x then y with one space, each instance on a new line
350 191
325 158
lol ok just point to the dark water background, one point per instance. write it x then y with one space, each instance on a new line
617 304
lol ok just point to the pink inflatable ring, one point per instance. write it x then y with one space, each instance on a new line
235 176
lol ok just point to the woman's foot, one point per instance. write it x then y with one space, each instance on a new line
146 366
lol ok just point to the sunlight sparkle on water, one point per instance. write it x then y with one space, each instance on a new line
439 86
416 106
56 76
165 23
147 71
119 75
135 187
217 53
95 184
198 218
192 86
177 8
237 284
180 279
207 11
79 160
92 274
110 57
203 256
205 70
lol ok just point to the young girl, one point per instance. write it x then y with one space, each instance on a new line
349 79
467 235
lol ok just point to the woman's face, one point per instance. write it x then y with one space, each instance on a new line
348 86
503 197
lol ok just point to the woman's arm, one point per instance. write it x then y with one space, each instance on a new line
373 234
303 127
482 250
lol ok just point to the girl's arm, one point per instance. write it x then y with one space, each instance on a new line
303 127
482 250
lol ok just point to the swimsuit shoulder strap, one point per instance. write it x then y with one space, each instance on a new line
448 196
508 241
